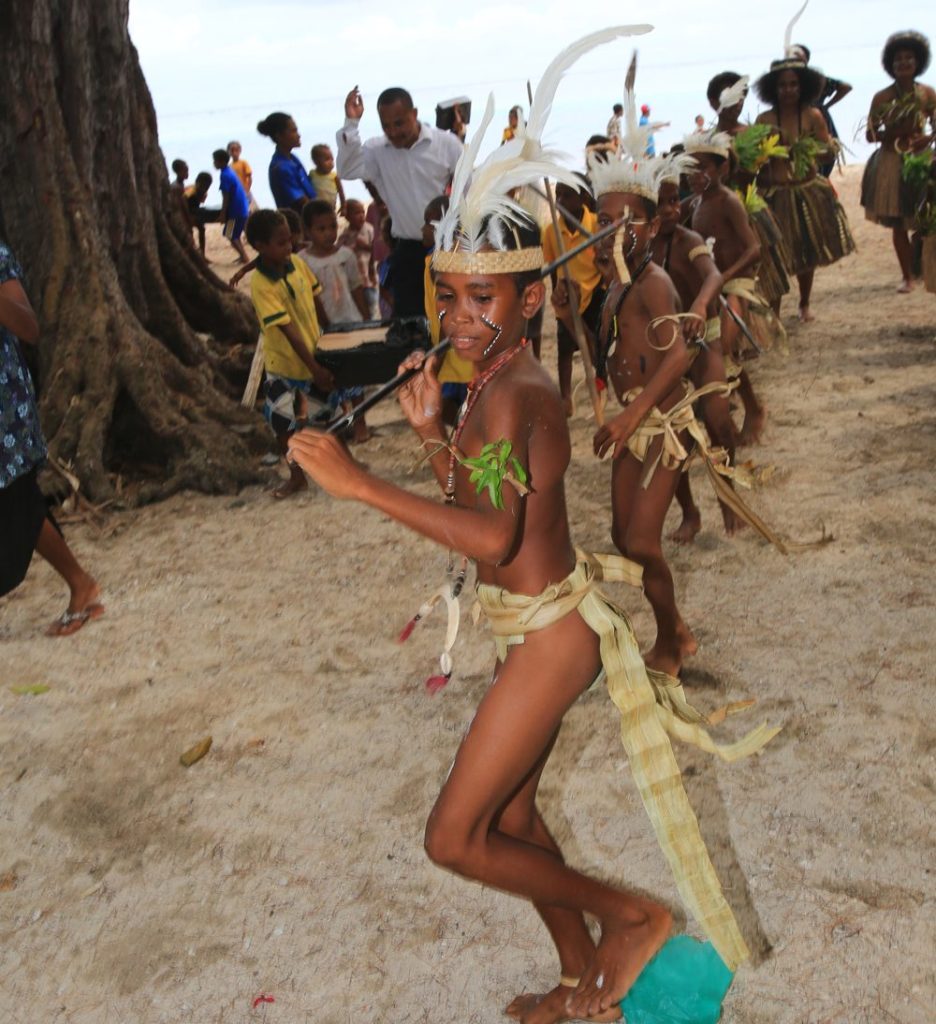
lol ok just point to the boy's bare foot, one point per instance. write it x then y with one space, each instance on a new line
290 487
753 426
550 1008
805 316
905 287
668 657
686 532
733 522
627 945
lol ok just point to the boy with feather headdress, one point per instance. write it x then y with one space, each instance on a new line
512 440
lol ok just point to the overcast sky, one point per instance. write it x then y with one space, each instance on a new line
217 67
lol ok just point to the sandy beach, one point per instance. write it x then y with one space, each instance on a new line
288 863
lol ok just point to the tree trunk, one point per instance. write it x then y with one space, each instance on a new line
142 348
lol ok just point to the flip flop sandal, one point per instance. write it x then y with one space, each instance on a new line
69 623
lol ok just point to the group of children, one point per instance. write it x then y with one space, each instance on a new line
699 246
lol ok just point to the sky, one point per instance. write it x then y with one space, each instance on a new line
217 67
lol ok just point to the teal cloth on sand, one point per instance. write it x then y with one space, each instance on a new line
684 983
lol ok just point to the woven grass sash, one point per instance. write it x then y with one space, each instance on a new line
649 716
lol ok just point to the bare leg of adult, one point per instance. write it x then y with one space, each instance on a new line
805 292
84 592
904 251
512 729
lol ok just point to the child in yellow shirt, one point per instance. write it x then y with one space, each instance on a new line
584 275
284 291
455 372
325 178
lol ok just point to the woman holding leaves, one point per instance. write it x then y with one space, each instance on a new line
804 203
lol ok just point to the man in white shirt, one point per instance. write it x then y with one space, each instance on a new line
614 125
409 165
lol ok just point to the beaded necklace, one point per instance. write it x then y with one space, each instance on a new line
475 387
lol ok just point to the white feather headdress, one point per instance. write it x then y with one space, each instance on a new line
630 169
709 141
788 34
732 95
470 237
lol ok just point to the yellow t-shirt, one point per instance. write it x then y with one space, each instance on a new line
286 299
326 185
454 369
582 267
243 170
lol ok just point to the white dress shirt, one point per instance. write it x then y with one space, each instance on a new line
407 179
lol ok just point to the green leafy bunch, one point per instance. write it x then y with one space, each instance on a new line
492 467
757 144
916 168
804 154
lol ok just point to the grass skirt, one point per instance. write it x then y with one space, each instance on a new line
772 280
887 199
812 222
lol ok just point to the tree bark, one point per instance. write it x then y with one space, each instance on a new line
143 348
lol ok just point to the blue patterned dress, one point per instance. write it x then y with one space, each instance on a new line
22 451
22 447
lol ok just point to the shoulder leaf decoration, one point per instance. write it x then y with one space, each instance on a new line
492 467
753 200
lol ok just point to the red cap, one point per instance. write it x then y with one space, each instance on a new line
645 109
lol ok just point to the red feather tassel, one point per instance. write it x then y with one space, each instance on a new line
436 683
407 631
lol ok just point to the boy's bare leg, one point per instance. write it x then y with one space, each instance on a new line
637 531
84 592
573 941
297 480
755 415
805 291
691 523
716 415
510 733
904 251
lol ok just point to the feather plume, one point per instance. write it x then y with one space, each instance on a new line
630 169
481 204
709 141
445 229
733 94
788 35
546 89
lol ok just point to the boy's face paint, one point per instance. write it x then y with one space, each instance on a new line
473 307
640 229
705 174
668 208
277 250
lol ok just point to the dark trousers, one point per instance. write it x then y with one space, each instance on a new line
407 277
22 513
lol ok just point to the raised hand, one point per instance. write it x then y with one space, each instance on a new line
354 105
326 459
421 396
